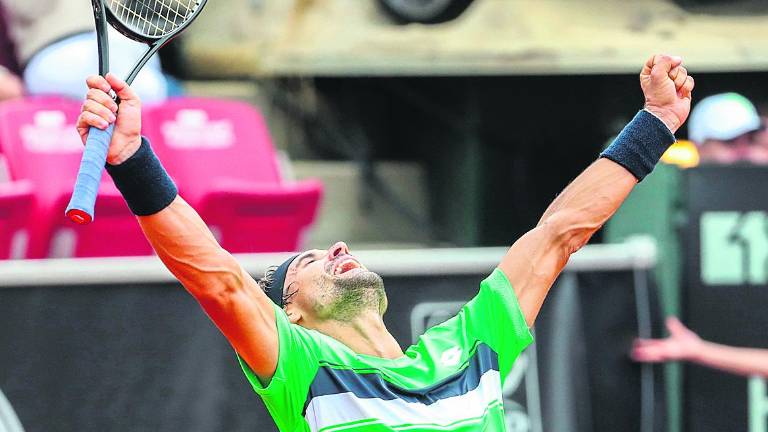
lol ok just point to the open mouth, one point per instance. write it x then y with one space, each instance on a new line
344 265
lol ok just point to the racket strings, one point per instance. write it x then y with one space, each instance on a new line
153 18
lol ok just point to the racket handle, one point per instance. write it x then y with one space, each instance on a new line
80 208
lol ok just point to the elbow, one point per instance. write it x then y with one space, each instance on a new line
215 281
220 295
227 282
570 230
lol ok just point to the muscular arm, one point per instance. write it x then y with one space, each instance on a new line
533 262
227 293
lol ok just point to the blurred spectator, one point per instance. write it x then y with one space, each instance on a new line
10 84
56 45
726 128
683 344
761 136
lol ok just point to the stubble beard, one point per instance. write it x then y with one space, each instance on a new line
345 299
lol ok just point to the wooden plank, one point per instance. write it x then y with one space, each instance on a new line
494 37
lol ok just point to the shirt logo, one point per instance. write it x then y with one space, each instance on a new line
451 357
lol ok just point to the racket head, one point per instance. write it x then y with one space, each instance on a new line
149 21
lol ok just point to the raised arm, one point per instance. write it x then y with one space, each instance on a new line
535 260
227 293
683 344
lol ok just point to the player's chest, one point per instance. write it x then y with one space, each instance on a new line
457 391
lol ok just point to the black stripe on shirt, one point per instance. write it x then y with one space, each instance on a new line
330 381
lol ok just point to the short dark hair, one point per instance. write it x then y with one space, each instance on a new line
267 281
267 284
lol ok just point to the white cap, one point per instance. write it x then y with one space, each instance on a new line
722 117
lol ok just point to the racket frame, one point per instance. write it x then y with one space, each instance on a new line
155 43
102 35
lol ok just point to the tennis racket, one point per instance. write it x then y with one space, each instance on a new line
153 22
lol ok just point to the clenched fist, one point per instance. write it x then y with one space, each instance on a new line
667 88
100 110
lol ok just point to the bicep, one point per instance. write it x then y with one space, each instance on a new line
531 265
246 317
536 259
188 249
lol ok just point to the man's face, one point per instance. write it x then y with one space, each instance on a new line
751 147
323 285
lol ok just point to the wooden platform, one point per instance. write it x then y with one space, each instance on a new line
267 38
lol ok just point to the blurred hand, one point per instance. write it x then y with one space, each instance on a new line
757 154
11 86
667 88
100 110
682 344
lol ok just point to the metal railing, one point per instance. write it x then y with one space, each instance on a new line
638 253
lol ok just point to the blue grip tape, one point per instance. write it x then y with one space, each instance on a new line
80 208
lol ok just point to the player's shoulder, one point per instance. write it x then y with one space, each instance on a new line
493 286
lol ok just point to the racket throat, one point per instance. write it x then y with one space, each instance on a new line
102 37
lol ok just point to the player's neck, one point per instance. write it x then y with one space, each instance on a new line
365 334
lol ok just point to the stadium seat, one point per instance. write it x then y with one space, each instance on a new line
39 141
222 158
15 205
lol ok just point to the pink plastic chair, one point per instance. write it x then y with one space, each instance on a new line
39 140
15 204
222 158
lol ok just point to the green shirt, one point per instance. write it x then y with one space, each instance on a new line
450 380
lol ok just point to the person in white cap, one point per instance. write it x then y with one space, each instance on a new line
724 128
54 44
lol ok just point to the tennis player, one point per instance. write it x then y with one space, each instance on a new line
310 335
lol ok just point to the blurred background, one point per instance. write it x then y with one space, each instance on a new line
428 135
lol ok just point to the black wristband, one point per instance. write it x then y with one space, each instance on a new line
143 181
639 146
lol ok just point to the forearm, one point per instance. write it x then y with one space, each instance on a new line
741 361
599 191
187 247
227 293
588 202
174 229
536 259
